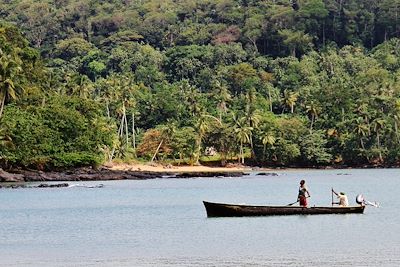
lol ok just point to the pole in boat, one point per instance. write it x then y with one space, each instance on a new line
332 195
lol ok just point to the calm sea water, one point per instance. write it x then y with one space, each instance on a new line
163 222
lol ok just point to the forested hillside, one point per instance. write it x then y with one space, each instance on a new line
273 83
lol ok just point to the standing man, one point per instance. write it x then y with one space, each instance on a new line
303 194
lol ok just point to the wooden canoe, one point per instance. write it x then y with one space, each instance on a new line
238 210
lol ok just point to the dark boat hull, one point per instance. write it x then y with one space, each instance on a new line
232 210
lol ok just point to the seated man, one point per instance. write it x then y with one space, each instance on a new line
343 201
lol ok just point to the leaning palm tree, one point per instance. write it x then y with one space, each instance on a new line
167 132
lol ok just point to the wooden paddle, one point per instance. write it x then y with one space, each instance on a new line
291 204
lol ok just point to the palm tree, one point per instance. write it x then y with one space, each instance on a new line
313 110
167 132
201 126
289 100
191 96
252 116
378 124
243 134
268 139
222 95
361 130
82 86
9 70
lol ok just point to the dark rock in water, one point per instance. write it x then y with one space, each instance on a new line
52 185
15 186
267 174
208 174
18 185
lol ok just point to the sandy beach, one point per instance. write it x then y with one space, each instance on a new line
169 168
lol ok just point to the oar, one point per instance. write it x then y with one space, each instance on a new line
292 203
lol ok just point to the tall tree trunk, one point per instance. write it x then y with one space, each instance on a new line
197 159
126 128
293 52
241 152
396 130
158 148
254 45
270 100
108 109
133 132
121 127
379 146
3 101
312 122
362 143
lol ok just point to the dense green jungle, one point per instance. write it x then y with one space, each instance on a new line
306 83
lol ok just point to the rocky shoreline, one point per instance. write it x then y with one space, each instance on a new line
101 174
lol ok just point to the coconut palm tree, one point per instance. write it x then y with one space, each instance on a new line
267 139
81 85
378 125
289 100
243 134
9 70
202 125
223 96
361 130
252 116
313 111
